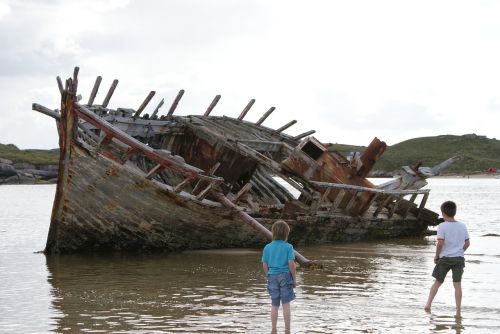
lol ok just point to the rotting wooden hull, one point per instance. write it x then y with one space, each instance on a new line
196 181
106 206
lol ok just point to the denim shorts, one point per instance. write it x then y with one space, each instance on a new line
456 264
280 287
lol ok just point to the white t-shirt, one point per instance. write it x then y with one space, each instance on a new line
454 235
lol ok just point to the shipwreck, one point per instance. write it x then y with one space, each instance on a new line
134 181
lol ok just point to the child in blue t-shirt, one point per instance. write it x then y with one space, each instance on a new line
279 266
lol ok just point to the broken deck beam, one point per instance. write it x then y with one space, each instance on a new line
305 134
158 108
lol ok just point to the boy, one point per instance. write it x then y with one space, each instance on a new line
279 267
452 241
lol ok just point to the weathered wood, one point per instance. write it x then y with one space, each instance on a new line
110 93
242 191
394 207
286 126
422 205
351 202
95 89
175 103
168 162
181 186
212 105
204 192
155 170
264 232
382 205
157 108
266 115
369 156
145 103
305 134
46 111
60 85
246 109
338 199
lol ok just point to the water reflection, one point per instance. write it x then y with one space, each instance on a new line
365 287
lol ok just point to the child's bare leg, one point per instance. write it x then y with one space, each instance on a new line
458 296
274 317
432 294
286 316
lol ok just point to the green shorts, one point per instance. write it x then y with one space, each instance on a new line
456 264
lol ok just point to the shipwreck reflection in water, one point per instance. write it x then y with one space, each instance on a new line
364 287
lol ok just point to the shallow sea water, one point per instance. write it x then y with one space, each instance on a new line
365 287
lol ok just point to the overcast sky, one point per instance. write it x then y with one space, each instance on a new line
352 70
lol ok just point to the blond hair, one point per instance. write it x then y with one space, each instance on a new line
280 230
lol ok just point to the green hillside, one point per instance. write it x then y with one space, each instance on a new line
35 157
477 153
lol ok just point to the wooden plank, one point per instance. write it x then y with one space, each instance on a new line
382 205
212 105
187 181
204 192
351 202
110 93
210 172
95 89
286 126
247 108
155 170
242 191
46 111
175 103
325 195
60 84
338 199
144 104
422 205
305 134
266 115
158 108
394 207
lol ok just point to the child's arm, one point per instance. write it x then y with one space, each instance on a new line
265 268
291 266
466 244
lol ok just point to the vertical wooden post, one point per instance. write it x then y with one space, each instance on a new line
175 103
95 89
266 115
247 108
110 93
144 104
212 105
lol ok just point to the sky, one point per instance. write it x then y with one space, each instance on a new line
351 70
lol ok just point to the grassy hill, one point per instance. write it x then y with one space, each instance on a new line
477 153
35 157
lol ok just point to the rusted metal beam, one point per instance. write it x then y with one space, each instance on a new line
110 93
369 156
247 108
286 126
144 104
175 103
305 134
212 105
266 115
95 89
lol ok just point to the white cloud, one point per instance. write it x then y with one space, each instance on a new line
351 70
